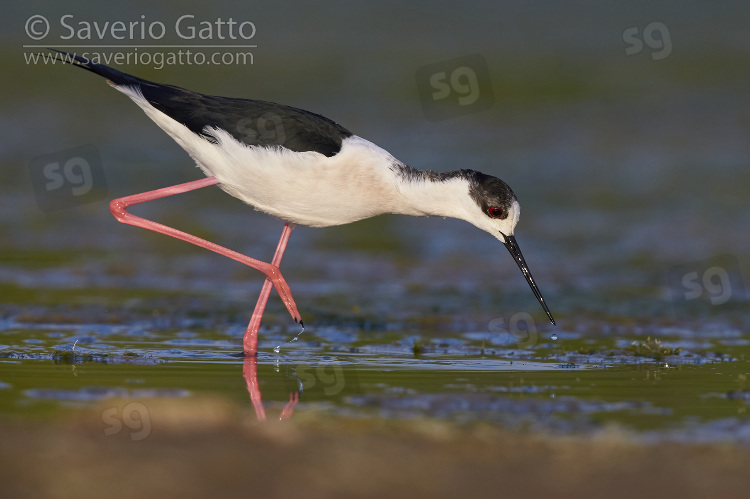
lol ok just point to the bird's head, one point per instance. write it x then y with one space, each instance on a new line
495 209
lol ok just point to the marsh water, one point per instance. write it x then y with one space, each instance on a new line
633 178
404 318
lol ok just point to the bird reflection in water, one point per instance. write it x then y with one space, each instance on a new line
250 373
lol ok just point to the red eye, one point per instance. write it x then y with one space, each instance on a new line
495 212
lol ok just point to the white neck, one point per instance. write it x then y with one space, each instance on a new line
425 196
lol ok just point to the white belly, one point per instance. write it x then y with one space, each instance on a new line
307 188
303 188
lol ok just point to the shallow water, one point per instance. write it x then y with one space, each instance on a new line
633 178
579 383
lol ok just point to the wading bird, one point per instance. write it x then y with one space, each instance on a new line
304 169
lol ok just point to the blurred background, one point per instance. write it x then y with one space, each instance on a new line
621 127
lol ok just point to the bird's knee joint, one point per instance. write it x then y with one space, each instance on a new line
118 208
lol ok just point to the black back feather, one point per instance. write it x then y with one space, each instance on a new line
252 122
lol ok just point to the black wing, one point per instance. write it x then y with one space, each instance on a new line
253 122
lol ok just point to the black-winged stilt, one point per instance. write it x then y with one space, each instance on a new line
309 170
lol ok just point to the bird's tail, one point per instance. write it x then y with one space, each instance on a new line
115 77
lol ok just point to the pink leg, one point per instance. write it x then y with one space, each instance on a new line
118 207
251 335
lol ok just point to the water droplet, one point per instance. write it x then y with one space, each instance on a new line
296 337
554 337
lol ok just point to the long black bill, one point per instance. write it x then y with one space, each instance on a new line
515 252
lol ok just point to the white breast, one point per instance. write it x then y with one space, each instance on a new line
306 188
